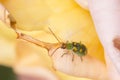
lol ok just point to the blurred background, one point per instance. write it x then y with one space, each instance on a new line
21 60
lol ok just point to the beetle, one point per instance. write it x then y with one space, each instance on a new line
76 47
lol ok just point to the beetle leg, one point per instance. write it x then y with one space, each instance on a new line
72 57
81 58
54 52
63 54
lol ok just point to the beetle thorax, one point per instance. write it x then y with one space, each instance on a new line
63 46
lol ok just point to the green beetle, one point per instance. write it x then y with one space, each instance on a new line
77 48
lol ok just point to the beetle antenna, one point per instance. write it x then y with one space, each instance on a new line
54 34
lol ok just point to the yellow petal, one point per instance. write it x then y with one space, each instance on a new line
7 45
30 15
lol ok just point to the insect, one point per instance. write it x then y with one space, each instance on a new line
76 48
